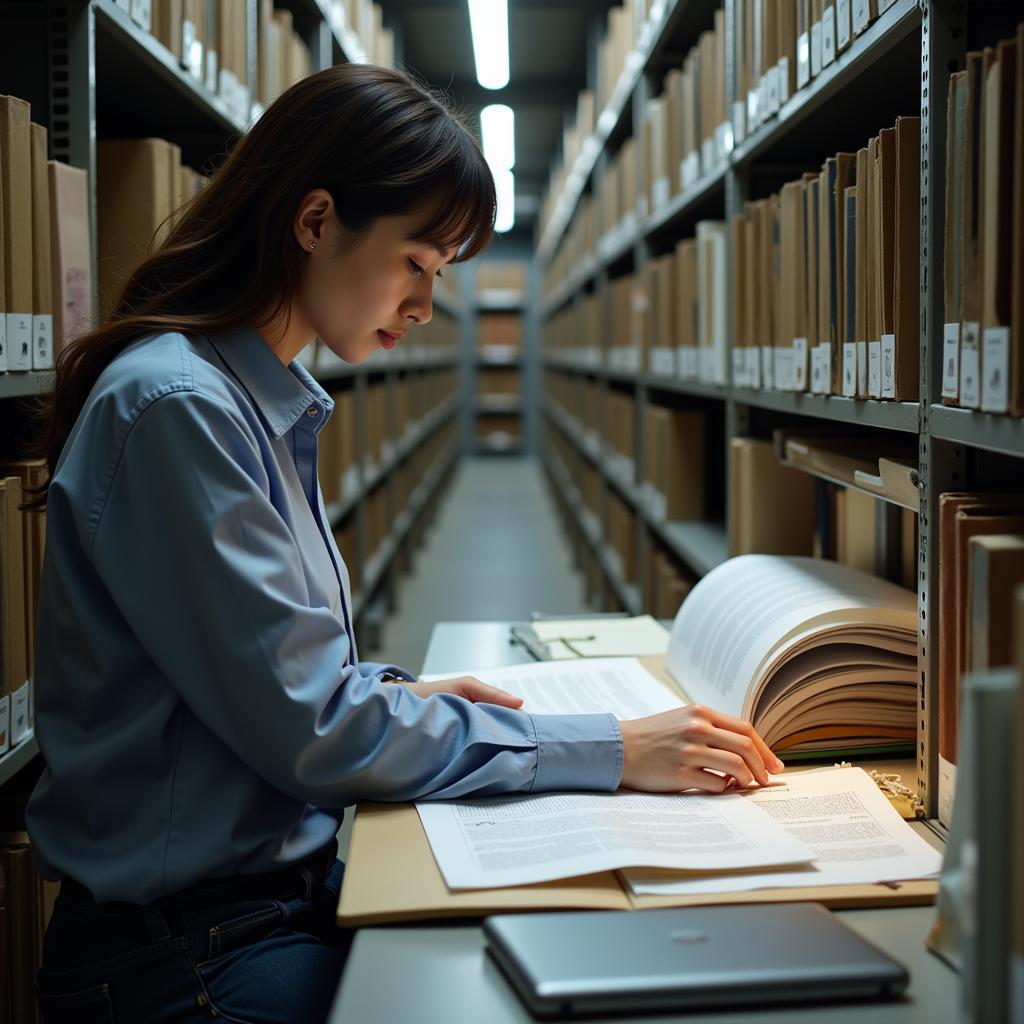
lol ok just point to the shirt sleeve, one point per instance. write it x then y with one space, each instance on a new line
207 575
380 668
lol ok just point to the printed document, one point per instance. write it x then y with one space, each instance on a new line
517 840
620 686
855 834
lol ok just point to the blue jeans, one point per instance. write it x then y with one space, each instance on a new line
254 951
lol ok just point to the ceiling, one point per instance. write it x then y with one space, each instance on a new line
548 55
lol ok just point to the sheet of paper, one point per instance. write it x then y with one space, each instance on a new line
739 612
518 840
639 635
855 833
621 686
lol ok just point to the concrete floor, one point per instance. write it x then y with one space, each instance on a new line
496 550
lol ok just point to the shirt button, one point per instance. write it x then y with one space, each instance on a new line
312 411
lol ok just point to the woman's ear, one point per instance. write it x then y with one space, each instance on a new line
312 217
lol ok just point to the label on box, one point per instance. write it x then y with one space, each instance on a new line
5 724
828 36
663 361
707 155
849 369
687 362
874 369
947 787
782 370
817 371
888 366
20 720
3 342
660 191
226 85
767 366
42 342
950 360
860 16
842 25
739 367
771 91
631 359
970 385
862 369
800 364
753 366
140 12
995 361
816 48
803 59
752 109
689 169
212 74
738 122
19 341
191 49
783 74
826 356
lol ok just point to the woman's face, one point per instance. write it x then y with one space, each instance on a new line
360 293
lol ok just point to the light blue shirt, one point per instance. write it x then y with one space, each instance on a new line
199 700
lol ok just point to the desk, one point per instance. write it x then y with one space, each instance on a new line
419 974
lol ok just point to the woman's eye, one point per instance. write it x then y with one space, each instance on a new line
415 267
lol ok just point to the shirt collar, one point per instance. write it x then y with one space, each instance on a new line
281 394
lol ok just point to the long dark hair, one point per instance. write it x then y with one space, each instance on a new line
378 142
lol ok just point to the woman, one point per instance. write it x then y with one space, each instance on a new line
200 704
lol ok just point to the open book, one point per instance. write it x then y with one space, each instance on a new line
821 658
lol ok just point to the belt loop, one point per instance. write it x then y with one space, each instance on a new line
156 922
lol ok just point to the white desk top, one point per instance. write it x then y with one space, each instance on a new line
417 974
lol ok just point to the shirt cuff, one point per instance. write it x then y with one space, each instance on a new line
577 752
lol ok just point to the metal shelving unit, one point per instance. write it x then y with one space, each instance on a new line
17 757
900 64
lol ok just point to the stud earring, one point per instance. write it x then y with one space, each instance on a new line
311 244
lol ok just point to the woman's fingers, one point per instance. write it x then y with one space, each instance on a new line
743 728
705 781
480 693
731 763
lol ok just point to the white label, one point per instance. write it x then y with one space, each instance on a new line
816 48
861 15
19 341
783 76
663 361
689 169
3 342
862 369
642 205
828 36
631 358
842 24
767 366
141 13
995 362
803 59
817 371
849 369
826 357
753 372
874 369
5 724
707 155
947 787
226 84
888 366
687 362
799 364
212 74
739 367
738 121
782 371
772 87
20 721
752 109
950 360
42 342
661 190
191 49
970 385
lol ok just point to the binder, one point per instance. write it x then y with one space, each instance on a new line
391 876
1017 243
996 569
42 281
904 383
16 173
956 166
70 253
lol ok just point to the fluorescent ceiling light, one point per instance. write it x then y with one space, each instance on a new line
488 22
498 132
505 186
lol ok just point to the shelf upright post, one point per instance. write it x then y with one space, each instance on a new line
72 77
941 464
529 365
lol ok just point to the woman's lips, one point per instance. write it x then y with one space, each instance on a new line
387 340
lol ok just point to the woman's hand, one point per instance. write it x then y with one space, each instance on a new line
673 751
468 687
